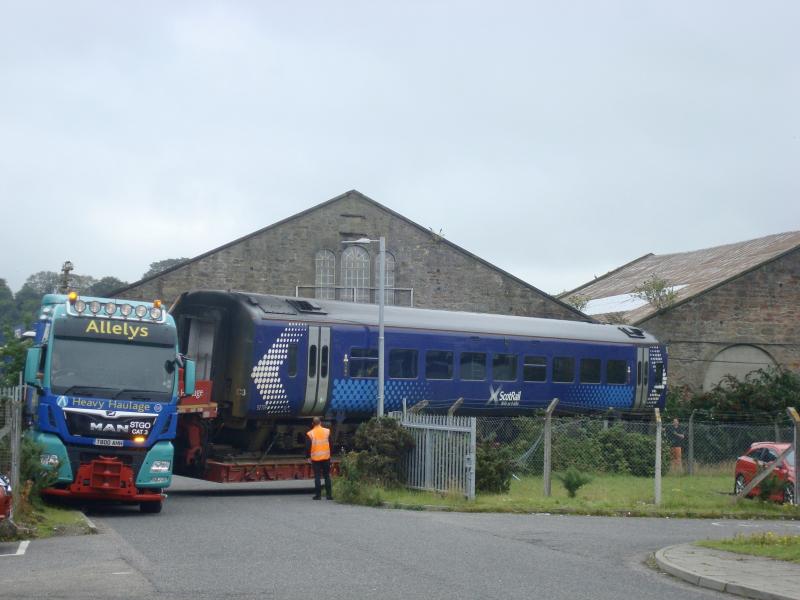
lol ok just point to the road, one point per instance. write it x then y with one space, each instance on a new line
273 541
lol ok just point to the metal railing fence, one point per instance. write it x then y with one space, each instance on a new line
443 458
365 295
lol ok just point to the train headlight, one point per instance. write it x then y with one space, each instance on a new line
155 313
140 311
160 466
49 460
111 308
125 310
80 306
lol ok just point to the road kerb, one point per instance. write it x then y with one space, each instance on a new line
713 583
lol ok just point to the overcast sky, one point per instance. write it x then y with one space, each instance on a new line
557 140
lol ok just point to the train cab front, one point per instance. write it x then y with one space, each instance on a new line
107 380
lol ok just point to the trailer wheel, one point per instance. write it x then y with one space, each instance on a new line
150 507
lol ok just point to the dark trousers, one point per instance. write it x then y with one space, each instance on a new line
322 468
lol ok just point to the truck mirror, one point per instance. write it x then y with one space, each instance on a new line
188 377
32 361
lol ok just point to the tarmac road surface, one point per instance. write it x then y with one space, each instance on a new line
273 541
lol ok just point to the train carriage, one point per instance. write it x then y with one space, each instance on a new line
272 362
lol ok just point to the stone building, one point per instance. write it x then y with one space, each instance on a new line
725 310
304 255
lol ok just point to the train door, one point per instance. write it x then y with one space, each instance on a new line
200 346
642 376
318 363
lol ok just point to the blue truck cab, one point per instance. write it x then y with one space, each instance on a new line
106 379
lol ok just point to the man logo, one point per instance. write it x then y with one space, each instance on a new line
62 401
111 413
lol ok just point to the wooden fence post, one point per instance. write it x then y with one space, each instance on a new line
548 441
796 422
690 452
658 458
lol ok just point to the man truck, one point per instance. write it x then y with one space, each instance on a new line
106 376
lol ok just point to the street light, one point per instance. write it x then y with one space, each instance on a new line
381 301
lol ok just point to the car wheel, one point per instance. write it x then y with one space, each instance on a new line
739 485
788 494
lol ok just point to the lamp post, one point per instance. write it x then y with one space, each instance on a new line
381 302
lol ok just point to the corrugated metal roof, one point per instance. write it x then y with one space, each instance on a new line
691 273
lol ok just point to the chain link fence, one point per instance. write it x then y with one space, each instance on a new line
11 401
625 444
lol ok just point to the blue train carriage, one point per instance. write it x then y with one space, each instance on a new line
105 374
273 362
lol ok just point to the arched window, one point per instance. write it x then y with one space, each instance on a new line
389 278
325 275
355 273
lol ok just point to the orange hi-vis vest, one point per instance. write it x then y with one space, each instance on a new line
320 448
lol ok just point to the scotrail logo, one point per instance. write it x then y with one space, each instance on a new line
497 397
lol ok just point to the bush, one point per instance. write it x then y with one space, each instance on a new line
350 486
381 444
573 480
770 486
493 468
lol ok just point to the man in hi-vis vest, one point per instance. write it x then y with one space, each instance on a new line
318 450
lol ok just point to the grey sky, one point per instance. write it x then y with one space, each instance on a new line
557 140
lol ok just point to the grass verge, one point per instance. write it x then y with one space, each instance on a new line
768 544
44 520
614 495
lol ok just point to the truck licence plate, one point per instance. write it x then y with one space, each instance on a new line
105 442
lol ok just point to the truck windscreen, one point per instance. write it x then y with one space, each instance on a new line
112 369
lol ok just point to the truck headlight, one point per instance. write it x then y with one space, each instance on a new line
49 460
160 466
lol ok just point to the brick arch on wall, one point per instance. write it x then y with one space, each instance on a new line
737 360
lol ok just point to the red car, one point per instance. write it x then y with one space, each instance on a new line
759 456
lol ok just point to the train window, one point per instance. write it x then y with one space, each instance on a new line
363 362
291 359
312 361
438 364
473 366
563 369
658 377
504 367
617 371
535 368
323 362
403 364
590 370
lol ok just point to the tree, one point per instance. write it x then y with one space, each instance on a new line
12 357
104 286
656 291
162 265
578 301
8 309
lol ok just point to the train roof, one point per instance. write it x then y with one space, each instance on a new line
317 310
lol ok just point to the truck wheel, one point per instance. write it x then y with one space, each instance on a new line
150 507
